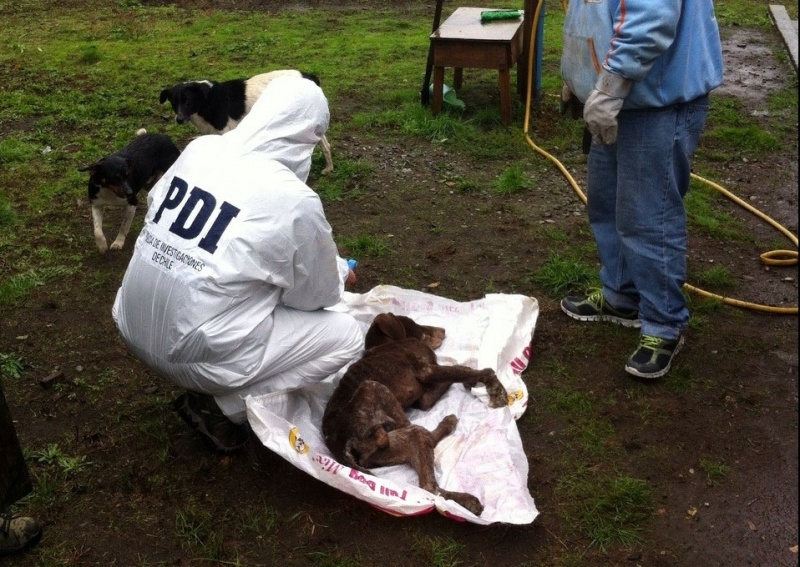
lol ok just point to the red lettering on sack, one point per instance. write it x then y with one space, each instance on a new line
355 475
519 363
328 465
389 492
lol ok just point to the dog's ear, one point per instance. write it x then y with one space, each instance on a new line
90 168
385 328
204 88
391 325
166 95
129 193
412 328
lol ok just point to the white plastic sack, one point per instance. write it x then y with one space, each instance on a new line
483 456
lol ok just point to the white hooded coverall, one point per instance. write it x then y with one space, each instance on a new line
226 289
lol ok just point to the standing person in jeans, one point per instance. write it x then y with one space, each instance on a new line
17 533
643 70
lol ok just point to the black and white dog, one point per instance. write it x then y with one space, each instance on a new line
215 108
115 180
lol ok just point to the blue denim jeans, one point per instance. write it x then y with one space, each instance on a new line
635 203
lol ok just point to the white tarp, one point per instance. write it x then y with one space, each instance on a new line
483 456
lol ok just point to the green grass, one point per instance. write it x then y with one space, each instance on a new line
742 12
701 306
259 519
461 184
750 139
154 429
728 111
20 285
715 471
595 438
783 99
718 277
683 379
512 180
333 556
557 235
53 459
567 273
7 215
345 181
594 500
198 529
439 551
416 120
15 151
364 245
610 509
48 488
11 367
555 367
565 402
704 213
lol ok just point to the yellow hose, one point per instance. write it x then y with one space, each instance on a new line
771 258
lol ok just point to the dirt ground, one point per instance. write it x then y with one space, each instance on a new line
738 406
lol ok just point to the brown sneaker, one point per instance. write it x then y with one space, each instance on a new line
202 414
18 533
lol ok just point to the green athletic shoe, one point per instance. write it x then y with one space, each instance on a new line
593 307
18 533
653 357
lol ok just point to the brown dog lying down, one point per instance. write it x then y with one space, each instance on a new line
365 425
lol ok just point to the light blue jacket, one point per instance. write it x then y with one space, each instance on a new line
669 48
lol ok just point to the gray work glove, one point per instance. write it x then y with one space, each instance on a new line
603 105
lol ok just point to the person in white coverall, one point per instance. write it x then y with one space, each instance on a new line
225 294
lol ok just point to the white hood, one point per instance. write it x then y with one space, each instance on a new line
286 123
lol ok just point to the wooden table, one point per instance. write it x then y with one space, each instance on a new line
464 41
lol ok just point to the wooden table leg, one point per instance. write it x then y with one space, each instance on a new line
504 81
458 77
438 88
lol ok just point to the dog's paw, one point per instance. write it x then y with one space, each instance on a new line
498 397
118 244
472 504
327 170
102 245
445 428
468 501
449 423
